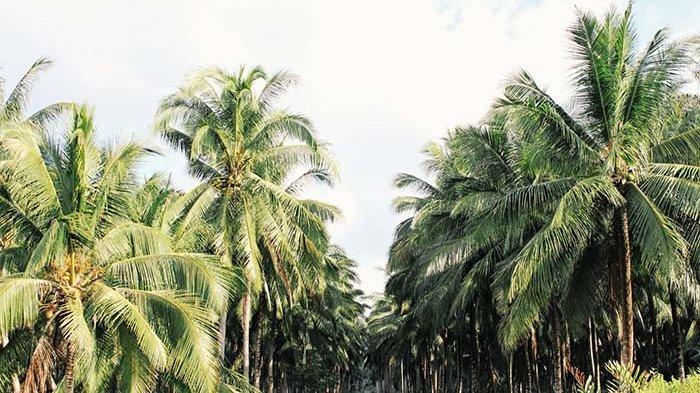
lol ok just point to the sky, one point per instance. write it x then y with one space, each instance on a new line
379 78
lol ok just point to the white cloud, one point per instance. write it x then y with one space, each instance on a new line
372 277
380 78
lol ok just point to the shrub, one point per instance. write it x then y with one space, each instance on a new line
626 379
658 385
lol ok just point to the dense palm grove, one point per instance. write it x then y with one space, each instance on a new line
110 283
553 246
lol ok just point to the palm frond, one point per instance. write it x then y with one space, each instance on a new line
17 99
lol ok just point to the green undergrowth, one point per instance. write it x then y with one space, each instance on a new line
659 385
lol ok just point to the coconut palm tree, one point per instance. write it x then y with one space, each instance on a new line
94 300
13 105
444 258
320 338
383 325
243 150
608 165
159 205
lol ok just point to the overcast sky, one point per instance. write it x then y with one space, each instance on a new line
380 78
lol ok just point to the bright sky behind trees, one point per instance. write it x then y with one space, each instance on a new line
379 78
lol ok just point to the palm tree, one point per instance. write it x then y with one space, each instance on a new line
243 150
606 171
320 338
13 105
444 258
90 296
159 205
383 325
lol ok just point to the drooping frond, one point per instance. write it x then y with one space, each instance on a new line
193 353
112 309
20 302
199 274
13 107
662 245
74 329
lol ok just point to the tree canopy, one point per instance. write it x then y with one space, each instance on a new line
551 246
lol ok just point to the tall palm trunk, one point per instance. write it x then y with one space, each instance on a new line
511 386
493 376
269 355
652 322
256 372
528 368
535 358
460 367
677 337
558 358
245 326
566 353
624 304
593 342
591 345
475 358
388 380
69 377
419 375
597 356
270 377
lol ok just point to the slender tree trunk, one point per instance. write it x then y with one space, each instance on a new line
419 376
284 383
445 361
566 351
16 385
535 358
476 348
462 363
597 356
493 377
256 372
556 338
511 386
614 285
625 304
487 312
435 376
591 345
389 381
69 377
654 328
270 378
245 326
460 367
677 336
269 355
258 330
528 366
